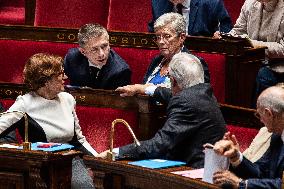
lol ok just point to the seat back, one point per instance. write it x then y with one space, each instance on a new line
15 53
138 60
216 66
234 8
70 13
12 12
125 15
244 135
12 3
96 126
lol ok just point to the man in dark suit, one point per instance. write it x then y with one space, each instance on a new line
93 63
267 171
193 117
203 17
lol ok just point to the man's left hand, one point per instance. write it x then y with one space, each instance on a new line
222 178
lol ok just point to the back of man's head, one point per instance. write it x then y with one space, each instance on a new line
272 98
88 31
186 69
171 20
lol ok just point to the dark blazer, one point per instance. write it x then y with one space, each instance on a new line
114 73
193 119
157 60
204 16
267 171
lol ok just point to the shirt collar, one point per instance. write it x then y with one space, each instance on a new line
186 4
93 65
270 5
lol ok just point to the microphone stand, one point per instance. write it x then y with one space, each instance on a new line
26 143
111 154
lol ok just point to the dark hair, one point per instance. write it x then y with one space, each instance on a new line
40 68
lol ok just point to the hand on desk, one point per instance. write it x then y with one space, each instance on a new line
217 35
131 90
102 155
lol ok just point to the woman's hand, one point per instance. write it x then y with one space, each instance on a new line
131 90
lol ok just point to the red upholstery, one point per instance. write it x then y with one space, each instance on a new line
7 103
234 8
216 65
126 15
12 3
70 13
244 135
12 12
138 60
96 125
15 53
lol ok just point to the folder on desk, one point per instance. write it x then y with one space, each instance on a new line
157 163
50 147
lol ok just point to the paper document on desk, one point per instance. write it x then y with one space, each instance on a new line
49 146
194 173
8 146
213 163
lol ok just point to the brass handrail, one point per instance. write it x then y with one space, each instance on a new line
110 154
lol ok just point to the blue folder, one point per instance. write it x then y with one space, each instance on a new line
54 148
157 163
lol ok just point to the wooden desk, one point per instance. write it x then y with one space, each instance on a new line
35 169
119 174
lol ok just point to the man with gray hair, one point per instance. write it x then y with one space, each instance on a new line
93 64
193 118
267 171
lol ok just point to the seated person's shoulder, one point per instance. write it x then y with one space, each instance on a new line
73 53
67 96
118 60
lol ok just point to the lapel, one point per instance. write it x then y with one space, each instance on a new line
192 14
255 20
275 21
278 156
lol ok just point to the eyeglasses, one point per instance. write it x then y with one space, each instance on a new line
257 115
164 36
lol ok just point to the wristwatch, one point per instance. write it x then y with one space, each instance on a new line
243 184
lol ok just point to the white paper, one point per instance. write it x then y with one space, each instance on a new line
8 146
213 163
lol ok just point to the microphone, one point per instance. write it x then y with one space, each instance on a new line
110 154
26 143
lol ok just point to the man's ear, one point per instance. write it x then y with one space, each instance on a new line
268 112
182 36
82 50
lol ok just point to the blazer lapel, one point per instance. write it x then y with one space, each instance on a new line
254 21
275 21
192 14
